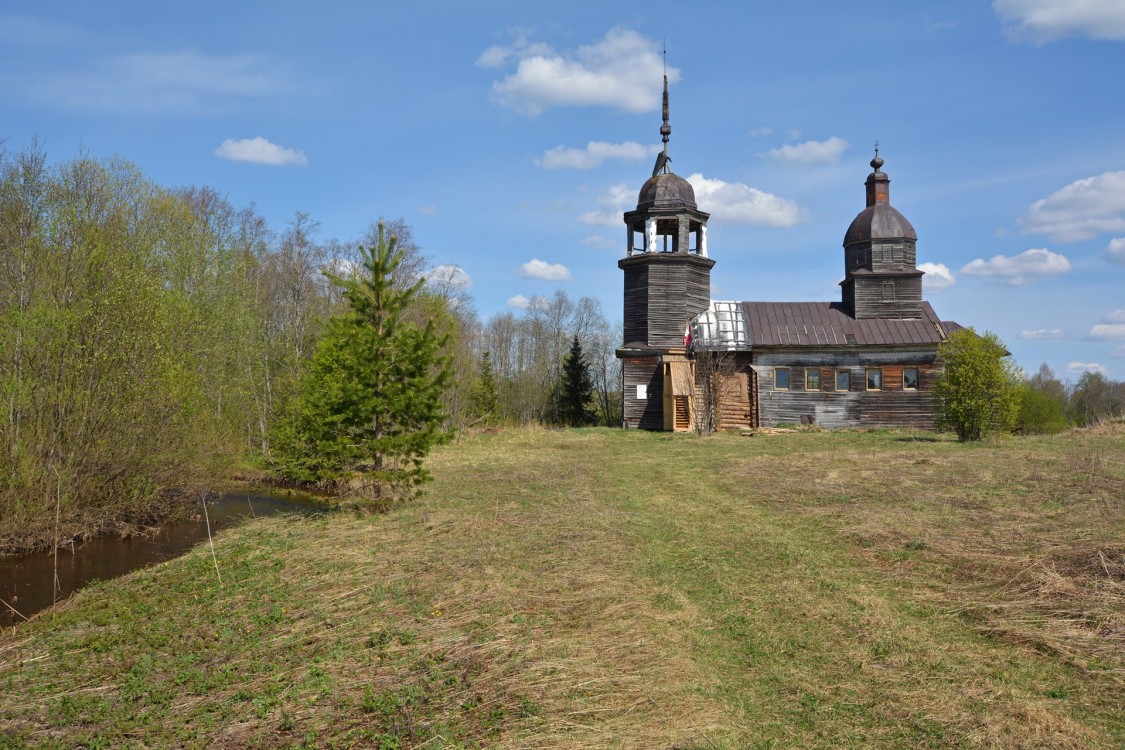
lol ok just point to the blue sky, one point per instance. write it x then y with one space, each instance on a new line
513 135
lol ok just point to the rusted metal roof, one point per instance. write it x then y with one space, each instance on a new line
823 324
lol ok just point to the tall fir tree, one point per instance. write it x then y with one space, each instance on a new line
576 388
370 407
484 399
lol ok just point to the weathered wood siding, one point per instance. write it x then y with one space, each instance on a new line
647 413
891 406
734 402
663 292
868 298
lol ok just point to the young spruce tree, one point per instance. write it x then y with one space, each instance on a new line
577 388
370 406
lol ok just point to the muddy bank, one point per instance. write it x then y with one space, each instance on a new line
31 582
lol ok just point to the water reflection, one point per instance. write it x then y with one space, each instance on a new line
26 581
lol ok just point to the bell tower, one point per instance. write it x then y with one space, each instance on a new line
667 271
667 283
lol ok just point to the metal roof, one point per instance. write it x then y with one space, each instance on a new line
826 324
745 325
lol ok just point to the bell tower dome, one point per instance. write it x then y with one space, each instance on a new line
881 276
667 271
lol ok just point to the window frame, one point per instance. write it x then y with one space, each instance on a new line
816 372
878 371
917 379
836 381
788 380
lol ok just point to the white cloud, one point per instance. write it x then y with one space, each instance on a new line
541 269
1080 210
184 82
1116 250
428 210
1107 331
594 154
620 71
519 302
259 151
1019 269
938 276
1116 316
810 152
736 203
759 132
1042 334
1118 352
613 203
450 275
1043 20
1077 368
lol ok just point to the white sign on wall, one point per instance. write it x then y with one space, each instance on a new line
642 391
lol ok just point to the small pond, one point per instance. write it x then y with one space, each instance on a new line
26 580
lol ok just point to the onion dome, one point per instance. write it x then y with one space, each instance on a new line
666 190
880 220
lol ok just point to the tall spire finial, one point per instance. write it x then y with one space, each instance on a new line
662 158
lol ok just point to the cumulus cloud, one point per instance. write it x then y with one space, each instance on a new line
259 151
1107 331
1116 250
618 72
1081 210
541 269
938 276
810 152
1077 368
595 153
1042 334
1111 327
1019 269
450 276
519 302
613 203
1044 20
182 82
736 203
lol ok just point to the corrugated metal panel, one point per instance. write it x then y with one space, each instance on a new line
826 324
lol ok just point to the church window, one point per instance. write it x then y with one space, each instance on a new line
843 380
812 379
781 378
910 378
896 256
874 380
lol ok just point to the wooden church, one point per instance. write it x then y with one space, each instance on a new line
868 360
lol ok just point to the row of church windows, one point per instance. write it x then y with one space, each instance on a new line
843 379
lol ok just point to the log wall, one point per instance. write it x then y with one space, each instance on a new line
891 406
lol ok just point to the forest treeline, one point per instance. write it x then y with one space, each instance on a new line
151 339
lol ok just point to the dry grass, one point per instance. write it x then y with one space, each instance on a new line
600 589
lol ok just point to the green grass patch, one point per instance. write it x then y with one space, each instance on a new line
601 589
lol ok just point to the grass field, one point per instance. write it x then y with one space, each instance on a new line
604 589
